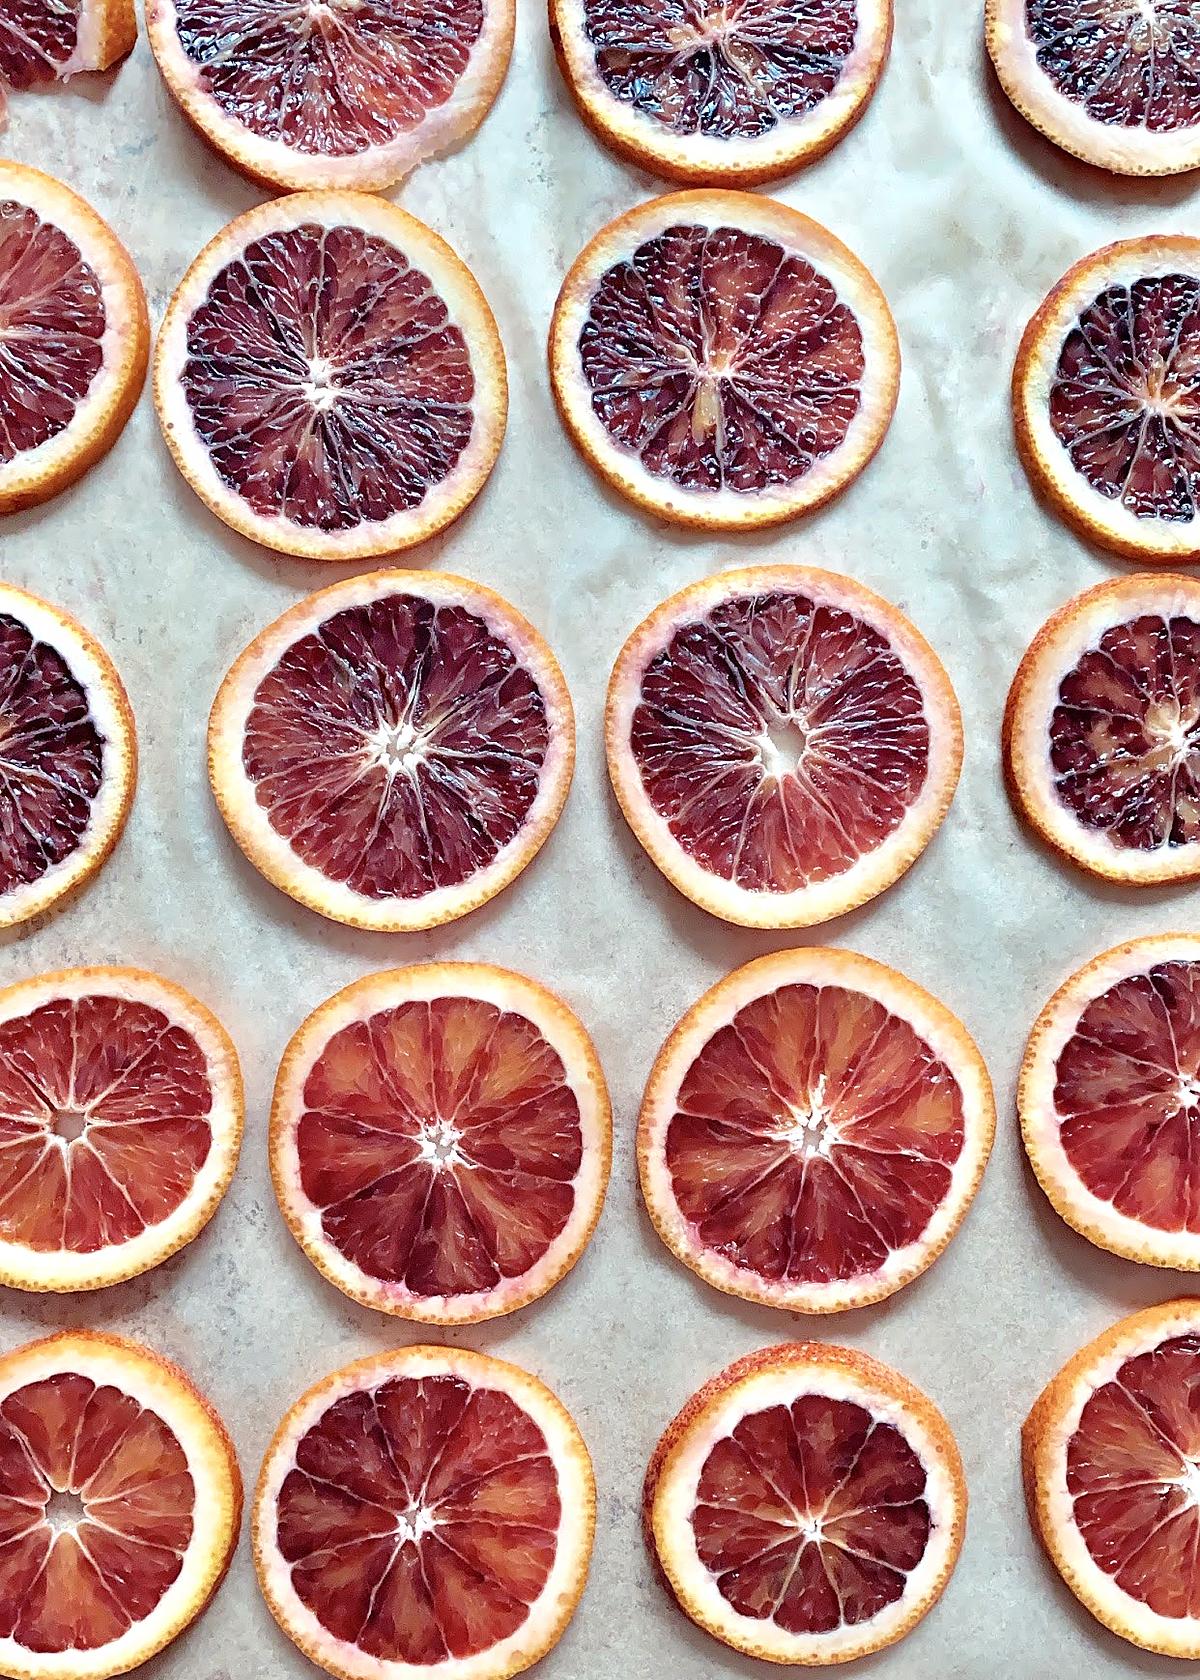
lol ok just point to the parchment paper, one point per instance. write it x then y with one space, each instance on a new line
966 217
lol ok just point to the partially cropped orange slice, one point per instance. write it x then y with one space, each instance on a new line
329 377
394 750
813 1131
1113 81
1111 1455
709 92
120 1502
120 1122
45 41
68 755
807 1505
783 742
425 1512
440 1140
1102 730
74 336
1106 397
722 360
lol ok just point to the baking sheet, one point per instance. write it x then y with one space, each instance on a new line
966 217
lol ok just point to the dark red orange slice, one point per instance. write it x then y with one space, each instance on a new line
43 42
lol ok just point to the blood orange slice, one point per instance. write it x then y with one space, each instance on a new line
49 40
722 360
120 1121
807 1505
1102 730
394 750
74 336
354 93
427 1512
1113 81
1109 1100
706 91
68 755
329 378
440 1141
1111 1455
783 743
813 1131
1106 397
120 1502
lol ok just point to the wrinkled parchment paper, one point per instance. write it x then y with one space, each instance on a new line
966 217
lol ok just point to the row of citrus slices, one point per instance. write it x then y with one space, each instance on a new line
331 382
355 95
430 1512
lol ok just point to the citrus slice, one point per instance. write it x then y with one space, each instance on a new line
329 378
440 1141
1111 1455
722 360
353 94
1113 81
68 755
120 1502
50 40
120 1121
813 1131
74 336
1102 730
427 1512
783 743
394 750
1109 1098
710 92
1106 398
807 1505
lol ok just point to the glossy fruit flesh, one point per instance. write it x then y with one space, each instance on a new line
441 1141
51 757
1127 1096
1125 398
96 1504
811 1515
1129 64
1133 1473
420 1521
813 1136
325 379
1125 734
331 79
52 322
36 40
732 71
398 747
721 360
780 740
104 1122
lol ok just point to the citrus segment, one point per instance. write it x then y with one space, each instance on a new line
68 755
813 1131
1113 81
1102 730
723 360
1112 1462
428 1511
120 1501
329 378
354 95
783 743
1106 397
705 92
807 1505
394 750
74 337
43 42
440 1140
120 1120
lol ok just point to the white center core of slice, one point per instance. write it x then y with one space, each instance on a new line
1190 1482
319 387
1188 1095
397 747
781 746
810 1131
412 1524
438 1142
69 1124
65 1510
